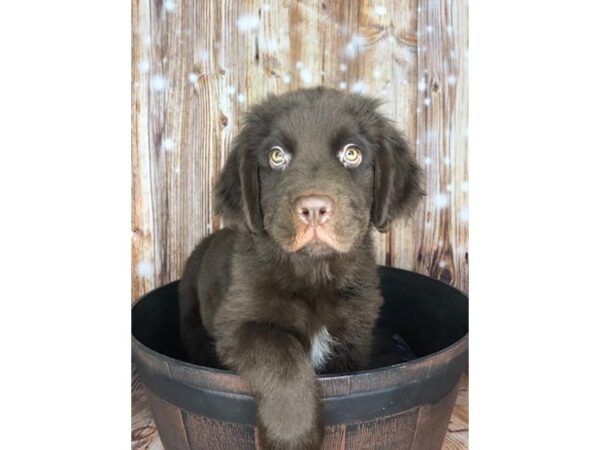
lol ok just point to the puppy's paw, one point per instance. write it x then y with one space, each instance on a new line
290 425
309 440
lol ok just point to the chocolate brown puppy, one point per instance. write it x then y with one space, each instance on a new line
290 288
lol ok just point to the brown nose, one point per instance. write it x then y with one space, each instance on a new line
314 210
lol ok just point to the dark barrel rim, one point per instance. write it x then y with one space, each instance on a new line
460 343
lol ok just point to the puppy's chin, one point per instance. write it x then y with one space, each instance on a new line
317 249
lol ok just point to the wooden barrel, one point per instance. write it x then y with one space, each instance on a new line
395 407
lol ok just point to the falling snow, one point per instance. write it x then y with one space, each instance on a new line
343 85
230 90
449 187
286 78
464 186
266 7
447 160
427 161
299 64
355 45
144 66
169 5
380 10
343 67
376 74
193 77
168 144
158 83
464 214
247 23
443 264
272 45
306 75
429 29
426 101
449 29
422 84
241 98
360 87
451 79
442 200
147 40
145 269
203 55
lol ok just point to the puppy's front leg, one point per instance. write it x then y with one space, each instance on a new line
277 369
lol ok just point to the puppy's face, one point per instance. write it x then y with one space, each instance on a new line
313 169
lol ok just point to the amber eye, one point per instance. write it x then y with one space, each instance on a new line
350 156
278 158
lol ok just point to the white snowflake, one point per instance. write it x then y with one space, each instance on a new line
230 90
168 144
158 82
427 161
355 45
299 64
203 55
429 29
360 87
144 66
422 85
343 67
449 29
449 187
447 160
464 186
306 75
426 101
241 98
451 79
442 200
272 45
343 85
464 214
376 73
145 269
380 10
247 23
442 264
286 78
169 5
193 77
266 7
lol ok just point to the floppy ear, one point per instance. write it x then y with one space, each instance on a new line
237 189
398 179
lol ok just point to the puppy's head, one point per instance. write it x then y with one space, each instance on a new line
314 168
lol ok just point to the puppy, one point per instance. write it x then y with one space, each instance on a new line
290 289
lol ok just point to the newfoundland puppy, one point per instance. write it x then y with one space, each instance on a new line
290 287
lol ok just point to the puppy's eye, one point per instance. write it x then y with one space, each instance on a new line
278 158
350 156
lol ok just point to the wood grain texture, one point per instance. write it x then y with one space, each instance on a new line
144 435
198 65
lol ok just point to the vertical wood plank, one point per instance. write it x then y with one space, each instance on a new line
442 139
197 66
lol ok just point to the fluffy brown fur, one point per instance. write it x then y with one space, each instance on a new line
283 297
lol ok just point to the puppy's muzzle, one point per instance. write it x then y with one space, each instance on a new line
314 210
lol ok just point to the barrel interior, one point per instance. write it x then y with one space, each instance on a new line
427 314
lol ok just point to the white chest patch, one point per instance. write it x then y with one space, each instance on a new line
321 348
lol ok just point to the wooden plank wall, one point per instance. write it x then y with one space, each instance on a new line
198 65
